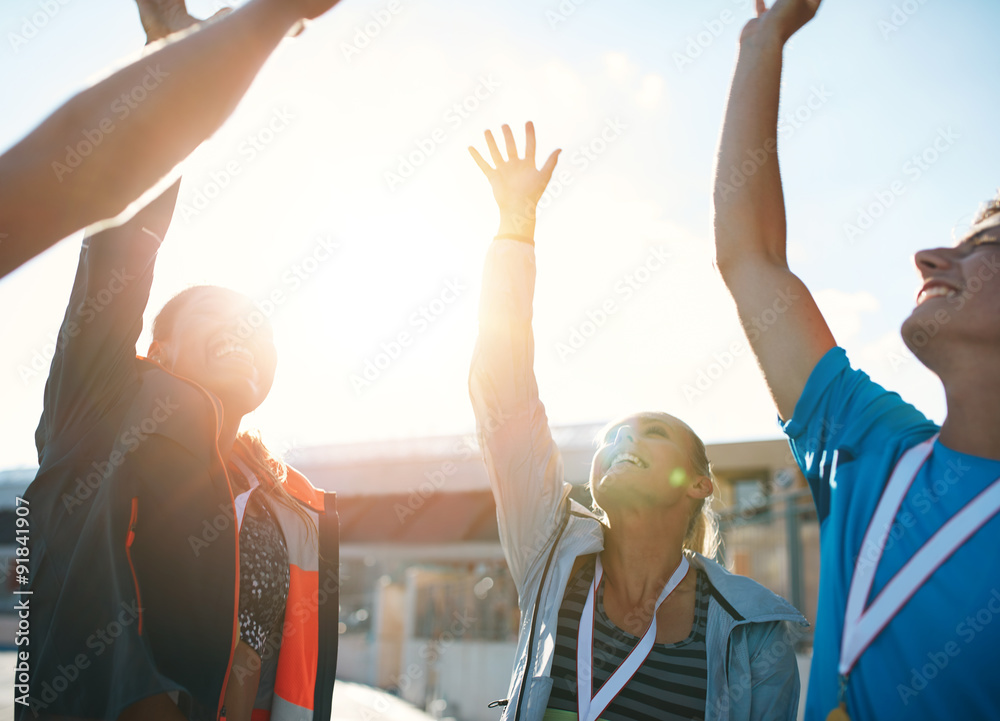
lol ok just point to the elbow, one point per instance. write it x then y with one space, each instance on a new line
482 388
739 266
731 247
725 263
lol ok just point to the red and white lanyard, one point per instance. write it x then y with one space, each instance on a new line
862 625
590 708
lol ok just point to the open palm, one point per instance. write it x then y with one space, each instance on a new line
784 17
517 184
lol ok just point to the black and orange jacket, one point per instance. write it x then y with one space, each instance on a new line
134 543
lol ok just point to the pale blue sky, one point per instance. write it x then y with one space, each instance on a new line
881 93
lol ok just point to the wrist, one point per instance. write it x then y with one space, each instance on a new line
765 39
527 239
516 226
518 221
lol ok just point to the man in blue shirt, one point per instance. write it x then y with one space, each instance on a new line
908 621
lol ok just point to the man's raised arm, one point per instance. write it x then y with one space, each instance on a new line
190 86
750 229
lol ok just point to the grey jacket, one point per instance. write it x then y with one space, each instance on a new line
752 672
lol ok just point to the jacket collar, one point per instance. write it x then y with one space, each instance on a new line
750 599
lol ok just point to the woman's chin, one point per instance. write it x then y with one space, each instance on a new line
612 491
239 395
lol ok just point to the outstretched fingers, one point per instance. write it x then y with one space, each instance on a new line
550 166
483 165
517 176
494 150
529 142
508 137
761 8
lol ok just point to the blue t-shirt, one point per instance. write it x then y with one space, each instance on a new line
938 658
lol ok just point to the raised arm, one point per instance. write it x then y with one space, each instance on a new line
750 229
189 86
95 350
524 465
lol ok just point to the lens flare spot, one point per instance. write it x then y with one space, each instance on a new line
678 477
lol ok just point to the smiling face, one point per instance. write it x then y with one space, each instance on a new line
644 461
959 299
218 339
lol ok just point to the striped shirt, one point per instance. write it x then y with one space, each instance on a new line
669 686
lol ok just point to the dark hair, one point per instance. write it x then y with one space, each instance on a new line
166 319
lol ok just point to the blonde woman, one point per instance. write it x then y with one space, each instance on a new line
622 617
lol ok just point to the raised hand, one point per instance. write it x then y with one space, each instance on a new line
161 18
309 9
517 184
783 19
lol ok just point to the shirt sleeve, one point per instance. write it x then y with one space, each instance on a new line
94 359
524 465
774 673
841 415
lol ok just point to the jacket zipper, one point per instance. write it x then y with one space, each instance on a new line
129 538
534 618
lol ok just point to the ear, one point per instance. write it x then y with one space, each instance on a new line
701 487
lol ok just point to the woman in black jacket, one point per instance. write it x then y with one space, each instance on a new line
170 553
179 570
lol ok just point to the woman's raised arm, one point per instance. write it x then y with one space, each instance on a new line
524 465
95 351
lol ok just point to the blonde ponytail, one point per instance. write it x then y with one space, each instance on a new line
703 529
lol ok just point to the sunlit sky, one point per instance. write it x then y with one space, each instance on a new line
868 85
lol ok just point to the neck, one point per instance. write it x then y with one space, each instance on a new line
973 422
227 437
642 550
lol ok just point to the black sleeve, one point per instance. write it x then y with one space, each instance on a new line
95 350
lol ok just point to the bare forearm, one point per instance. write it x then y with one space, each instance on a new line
749 204
134 127
502 375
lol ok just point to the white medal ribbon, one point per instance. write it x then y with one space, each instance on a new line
241 500
861 625
590 708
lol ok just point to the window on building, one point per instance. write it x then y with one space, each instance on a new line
749 494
